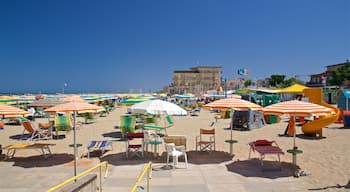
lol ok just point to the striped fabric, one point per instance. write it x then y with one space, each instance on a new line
128 123
99 144
62 122
232 103
297 108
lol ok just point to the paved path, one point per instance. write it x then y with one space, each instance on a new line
198 177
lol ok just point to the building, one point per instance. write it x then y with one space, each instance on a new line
320 79
197 80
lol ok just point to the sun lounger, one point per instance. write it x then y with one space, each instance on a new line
11 149
265 147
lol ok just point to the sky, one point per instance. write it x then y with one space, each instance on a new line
135 45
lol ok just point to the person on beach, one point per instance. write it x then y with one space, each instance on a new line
32 113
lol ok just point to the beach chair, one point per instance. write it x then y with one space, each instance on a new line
11 149
88 117
135 144
62 123
127 125
98 145
36 132
206 140
265 147
168 123
174 154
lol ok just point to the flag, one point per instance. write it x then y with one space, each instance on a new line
242 71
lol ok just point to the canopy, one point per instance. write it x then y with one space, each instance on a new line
296 88
157 107
232 103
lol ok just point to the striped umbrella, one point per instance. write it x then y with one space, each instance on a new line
296 108
9 111
74 107
232 103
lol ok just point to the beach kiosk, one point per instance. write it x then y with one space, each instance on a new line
344 105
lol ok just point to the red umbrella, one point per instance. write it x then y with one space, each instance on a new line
74 107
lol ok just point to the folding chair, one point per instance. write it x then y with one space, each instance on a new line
99 145
206 140
36 132
127 124
135 144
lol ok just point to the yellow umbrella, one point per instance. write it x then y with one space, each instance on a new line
74 107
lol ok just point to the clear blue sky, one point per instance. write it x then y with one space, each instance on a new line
118 45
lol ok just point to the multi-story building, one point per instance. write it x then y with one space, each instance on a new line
321 78
197 80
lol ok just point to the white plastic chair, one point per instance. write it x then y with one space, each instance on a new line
175 154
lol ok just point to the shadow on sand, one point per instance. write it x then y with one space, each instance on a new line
252 168
40 161
193 157
206 157
28 135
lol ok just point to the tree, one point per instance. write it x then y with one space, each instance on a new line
291 81
275 80
248 82
338 76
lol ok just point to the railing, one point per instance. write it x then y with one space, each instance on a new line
58 186
147 169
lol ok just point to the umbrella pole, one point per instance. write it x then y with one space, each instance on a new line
294 135
75 145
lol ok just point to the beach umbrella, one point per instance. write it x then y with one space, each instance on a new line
45 103
74 107
296 108
157 107
9 111
232 103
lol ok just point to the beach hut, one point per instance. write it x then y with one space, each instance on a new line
343 100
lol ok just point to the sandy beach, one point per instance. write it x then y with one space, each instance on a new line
326 161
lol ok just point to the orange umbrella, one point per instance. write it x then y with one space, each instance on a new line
74 107
232 103
296 108
9 111
73 98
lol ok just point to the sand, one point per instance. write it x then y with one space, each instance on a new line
326 160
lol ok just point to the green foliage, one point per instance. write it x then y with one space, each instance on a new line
248 82
276 80
290 82
337 77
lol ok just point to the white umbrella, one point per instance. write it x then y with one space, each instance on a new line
157 107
